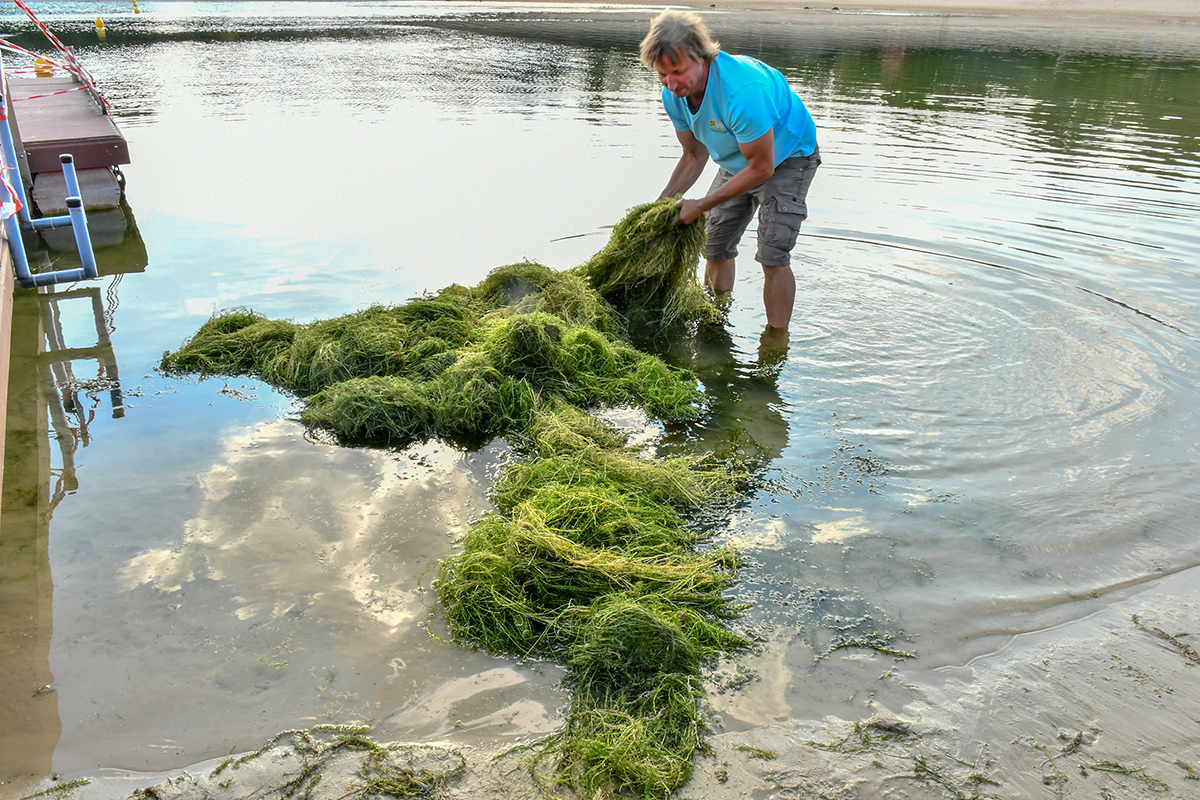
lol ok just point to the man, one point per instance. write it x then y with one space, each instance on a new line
742 113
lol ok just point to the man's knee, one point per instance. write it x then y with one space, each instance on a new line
778 274
719 274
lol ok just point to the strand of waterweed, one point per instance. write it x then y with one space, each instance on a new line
62 789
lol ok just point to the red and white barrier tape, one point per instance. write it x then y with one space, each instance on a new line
41 26
71 63
16 48
13 205
49 94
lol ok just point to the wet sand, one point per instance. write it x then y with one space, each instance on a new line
1103 706
1069 12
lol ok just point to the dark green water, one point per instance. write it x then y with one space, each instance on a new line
984 421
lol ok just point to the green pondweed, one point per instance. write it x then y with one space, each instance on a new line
596 555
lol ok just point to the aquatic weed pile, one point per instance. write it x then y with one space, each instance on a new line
588 560
471 363
465 363
596 556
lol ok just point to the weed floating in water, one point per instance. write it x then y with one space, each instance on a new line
461 365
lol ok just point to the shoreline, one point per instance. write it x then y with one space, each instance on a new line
1073 724
1067 12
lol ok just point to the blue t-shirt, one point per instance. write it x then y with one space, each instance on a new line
743 100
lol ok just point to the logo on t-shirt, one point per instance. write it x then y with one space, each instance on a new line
717 126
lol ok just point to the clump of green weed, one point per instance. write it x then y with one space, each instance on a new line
528 287
648 268
451 365
589 561
578 450
234 342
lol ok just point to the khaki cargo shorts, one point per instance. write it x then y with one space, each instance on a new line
780 202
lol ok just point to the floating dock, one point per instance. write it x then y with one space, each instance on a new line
58 115
48 117
55 115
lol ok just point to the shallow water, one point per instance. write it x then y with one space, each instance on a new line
984 423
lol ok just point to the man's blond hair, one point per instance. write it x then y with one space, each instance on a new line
678 32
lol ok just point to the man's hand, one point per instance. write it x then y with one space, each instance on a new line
689 211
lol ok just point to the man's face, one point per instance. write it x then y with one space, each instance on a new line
683 75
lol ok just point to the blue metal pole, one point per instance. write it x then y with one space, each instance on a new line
42 223
68 168
83 239
16 247
10 161
12 225
10 151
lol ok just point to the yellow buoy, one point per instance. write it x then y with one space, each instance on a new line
135 8
100 27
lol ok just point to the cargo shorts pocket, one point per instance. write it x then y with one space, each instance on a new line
778 226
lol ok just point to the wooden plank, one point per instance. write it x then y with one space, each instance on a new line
72 122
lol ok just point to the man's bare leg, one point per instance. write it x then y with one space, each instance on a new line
779 294
719 275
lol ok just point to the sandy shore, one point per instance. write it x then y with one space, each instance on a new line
1099 708
1068 11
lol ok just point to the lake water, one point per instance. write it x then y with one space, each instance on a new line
986 421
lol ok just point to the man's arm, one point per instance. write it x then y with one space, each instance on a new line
760 165
691 164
